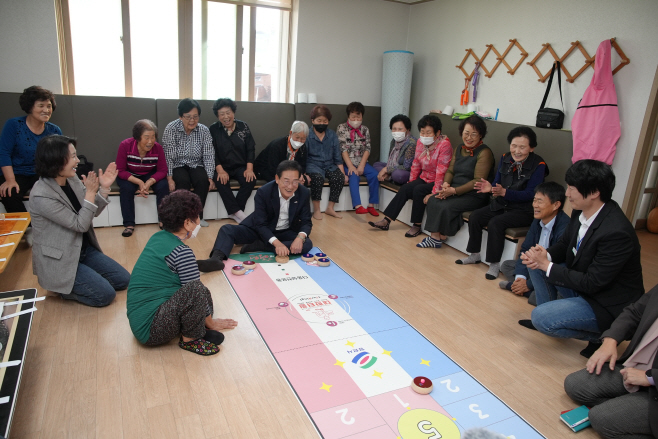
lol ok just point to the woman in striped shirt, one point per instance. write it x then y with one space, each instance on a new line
166 298
141 164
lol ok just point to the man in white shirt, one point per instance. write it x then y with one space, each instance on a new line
595 267
281 221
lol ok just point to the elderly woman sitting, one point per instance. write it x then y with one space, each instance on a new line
189 153
18 143
354 139
235 151
470 163
510 205
324 161
290 147
66 256
401 153
141 164
433 154
166 298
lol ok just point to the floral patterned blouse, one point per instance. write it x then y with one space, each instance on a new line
354 148
431 164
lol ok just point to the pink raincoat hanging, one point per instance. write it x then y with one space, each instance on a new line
595 125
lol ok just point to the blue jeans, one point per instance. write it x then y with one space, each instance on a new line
370 174
567 317
97 279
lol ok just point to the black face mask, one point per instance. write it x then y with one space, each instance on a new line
320 128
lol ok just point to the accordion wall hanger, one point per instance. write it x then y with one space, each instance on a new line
589 60
500 58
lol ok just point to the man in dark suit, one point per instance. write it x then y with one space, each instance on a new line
595 267
281 221
624 400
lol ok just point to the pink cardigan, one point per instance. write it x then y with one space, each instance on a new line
595 125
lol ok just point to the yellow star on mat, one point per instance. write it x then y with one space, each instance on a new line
454 419
425 362
377 374
350 343
326 387
339 363
387 352
408 408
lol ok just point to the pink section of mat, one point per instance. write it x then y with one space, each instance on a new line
348 419
391 405
260 295
309 368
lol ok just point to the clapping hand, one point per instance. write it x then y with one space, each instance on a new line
107 178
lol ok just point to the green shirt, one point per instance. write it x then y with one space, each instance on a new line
152 283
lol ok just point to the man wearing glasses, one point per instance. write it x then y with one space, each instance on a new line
189 152
281 221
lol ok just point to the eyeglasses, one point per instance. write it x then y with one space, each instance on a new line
472 135
288 183
188 117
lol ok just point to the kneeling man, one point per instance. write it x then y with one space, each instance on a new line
281 221
600 251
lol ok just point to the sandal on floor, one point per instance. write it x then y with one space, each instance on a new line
128 231
411 233
379 226
199 346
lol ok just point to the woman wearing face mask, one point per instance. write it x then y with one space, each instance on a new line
18 143
470 163
433 154
166 298
354 140
324 160
512 192
66 256
290 147
401 154
141 164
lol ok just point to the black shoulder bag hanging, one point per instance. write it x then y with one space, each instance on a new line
84 167
551 117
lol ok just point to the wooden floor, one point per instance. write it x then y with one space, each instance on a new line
86 376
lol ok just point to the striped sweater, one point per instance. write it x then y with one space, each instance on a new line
130 163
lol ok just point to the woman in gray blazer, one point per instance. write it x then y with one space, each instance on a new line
66 256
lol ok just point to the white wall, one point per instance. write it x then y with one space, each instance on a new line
28 50
440 32
340 46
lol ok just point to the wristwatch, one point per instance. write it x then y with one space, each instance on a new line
302 237
649 373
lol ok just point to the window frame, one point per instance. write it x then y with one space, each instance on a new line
186 47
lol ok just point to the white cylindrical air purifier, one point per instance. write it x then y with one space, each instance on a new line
396 92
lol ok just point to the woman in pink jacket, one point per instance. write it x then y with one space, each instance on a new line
142 166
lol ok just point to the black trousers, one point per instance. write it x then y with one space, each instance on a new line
416 190
232 202
14 202
127 191
231 234
197 178
496 223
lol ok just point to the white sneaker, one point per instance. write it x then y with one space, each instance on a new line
204 223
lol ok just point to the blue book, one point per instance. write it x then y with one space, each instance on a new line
576 419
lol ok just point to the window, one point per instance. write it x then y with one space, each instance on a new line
176 48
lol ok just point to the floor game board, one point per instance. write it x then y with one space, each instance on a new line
351 359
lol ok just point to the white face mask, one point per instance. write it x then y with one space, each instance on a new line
196 230
355 123
398 136
295 144
427 141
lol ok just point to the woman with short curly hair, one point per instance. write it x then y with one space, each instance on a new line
166 298
18 143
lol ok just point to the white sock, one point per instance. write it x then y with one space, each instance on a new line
240 215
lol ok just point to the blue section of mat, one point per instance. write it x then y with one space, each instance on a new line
467 401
